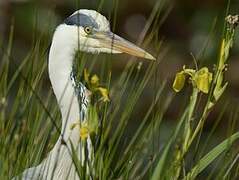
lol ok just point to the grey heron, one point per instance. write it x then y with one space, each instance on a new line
87 31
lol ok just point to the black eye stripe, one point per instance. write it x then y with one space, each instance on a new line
81 20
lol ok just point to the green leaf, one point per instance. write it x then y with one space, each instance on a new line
211 156
218 92
161 165
86 76
93 119
76 161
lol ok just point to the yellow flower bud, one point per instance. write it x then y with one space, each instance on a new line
95 80
179 81
203 80
84 132
105 94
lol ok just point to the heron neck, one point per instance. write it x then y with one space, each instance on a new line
61 58
72 108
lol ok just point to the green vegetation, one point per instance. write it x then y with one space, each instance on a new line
30 119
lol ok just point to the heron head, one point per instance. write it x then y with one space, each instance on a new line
89 31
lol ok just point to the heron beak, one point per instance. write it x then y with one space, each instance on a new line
116 43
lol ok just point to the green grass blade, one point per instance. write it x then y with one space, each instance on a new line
211 156
158 172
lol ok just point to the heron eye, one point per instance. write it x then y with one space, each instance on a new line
88 30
